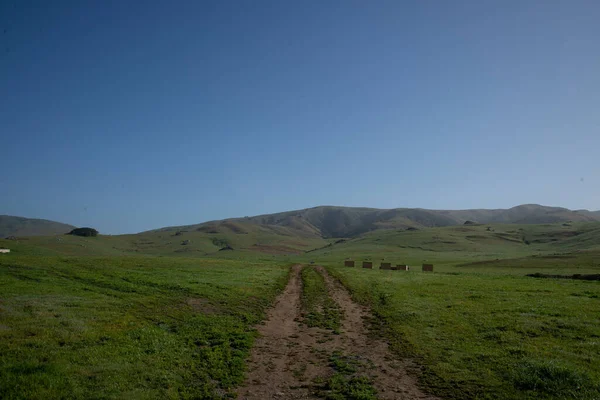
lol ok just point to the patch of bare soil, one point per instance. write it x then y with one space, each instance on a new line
289 358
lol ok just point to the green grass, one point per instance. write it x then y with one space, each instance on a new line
347 365
445 247
481 335
450 246
248 241
128 327
587 262
319 308
349 380
341 387
143 316
551 379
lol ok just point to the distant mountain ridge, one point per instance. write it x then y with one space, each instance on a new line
332 221
335 222
21 226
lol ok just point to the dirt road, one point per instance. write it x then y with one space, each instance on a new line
291 360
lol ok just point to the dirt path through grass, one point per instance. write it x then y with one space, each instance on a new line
284 345
389 374
293 361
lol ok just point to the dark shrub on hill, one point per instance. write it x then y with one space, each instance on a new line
87 232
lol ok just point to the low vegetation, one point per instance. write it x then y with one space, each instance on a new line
488 335
128 327
255 243
584 277
319 308
85 232
551 248
144 316
343 387
349 379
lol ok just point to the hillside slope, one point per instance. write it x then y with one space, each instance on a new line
20 226
330 221
577 244
223 240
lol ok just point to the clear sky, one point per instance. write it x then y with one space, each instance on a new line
127 116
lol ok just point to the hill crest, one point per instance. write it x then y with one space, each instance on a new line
334 221
20 226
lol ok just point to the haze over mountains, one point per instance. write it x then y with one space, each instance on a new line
331 221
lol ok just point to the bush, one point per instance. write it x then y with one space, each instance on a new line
87 232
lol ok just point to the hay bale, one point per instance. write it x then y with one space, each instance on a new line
385 266
348 263
367 264
428 267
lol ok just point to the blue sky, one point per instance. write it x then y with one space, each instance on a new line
128 116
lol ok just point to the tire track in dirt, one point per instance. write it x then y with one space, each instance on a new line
389 376
282 349
289 356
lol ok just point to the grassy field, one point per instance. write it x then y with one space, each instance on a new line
144 316
449 247
128 327
480 335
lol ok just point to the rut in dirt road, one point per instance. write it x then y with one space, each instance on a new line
284 346
293 361
389 374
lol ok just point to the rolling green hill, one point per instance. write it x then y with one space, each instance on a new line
20 226
468 244
448 246
231 240
332 222
119 314
413 234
